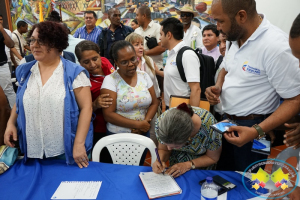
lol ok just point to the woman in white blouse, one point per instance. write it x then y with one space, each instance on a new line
54 107
146 64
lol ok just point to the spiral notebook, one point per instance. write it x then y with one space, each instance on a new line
77 190
159 185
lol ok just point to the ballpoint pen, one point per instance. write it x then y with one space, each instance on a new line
158 158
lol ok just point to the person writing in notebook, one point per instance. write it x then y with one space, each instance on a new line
186 140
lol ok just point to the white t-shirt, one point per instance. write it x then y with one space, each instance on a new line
193 37
259 73
173 84
17 46
153 30
146 69
44 111
7 50
131 102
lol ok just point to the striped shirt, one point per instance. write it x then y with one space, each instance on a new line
92 36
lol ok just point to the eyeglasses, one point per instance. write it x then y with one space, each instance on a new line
125 63
113 37
31 41
185 14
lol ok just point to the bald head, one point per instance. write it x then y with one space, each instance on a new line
145 10
112 11
232 7
114 15
295 37
295 30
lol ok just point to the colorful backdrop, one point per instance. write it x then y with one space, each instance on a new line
72 10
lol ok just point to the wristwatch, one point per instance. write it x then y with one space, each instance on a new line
261 133
192 165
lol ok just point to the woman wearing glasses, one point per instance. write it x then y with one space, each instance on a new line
54 106
146 64
134 100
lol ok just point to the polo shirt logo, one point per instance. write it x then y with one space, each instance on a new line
173 63
249 69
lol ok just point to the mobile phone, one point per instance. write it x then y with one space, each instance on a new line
223 126
223 182
262 146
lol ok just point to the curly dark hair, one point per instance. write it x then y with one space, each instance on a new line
52 34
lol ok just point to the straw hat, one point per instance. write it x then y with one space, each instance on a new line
187 8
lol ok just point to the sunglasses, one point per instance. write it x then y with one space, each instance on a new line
113 37
186 14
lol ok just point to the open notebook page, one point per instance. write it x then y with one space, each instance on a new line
158 185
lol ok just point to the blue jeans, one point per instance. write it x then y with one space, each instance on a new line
145 151
235 158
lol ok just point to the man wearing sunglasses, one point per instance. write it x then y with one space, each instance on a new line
192 34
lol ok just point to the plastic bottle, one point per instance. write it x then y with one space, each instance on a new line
209 190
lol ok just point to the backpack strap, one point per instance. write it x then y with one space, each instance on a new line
20 46
179 61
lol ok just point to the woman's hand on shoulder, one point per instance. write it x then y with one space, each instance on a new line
79 155
102 101
10 135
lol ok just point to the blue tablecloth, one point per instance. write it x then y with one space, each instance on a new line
39 179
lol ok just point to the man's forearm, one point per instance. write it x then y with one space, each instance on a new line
14 51
195 97
221 78
286 111
155 51
7 40
13 60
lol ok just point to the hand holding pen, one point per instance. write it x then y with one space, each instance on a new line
158 166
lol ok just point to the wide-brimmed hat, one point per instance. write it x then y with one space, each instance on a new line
187 8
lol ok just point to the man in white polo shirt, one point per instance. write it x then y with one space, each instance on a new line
258 72
150 29
171 32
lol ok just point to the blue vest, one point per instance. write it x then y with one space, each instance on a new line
71 109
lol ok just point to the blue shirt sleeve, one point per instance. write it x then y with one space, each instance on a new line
76 34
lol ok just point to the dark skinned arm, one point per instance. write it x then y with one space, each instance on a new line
7 40
4 115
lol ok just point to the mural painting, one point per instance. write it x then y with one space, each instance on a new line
72 11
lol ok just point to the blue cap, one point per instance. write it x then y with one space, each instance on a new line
209 179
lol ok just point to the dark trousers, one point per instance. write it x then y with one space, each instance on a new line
235 158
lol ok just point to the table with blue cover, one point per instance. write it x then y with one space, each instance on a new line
39 179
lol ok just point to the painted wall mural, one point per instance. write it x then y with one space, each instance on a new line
72 10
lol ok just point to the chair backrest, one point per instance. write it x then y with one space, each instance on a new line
176 100
125 148
285 155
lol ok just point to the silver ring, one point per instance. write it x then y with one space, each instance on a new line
83 159
179 171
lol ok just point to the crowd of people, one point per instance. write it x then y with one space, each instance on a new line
65 104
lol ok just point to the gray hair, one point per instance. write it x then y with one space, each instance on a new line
175 127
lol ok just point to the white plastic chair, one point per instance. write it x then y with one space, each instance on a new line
125 148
